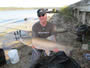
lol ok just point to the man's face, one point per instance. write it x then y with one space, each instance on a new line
43 20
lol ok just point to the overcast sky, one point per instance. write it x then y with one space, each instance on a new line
36 3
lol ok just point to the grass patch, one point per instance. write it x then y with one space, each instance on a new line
67 13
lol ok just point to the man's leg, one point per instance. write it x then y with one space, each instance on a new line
35 56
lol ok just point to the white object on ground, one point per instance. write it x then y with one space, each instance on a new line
13 55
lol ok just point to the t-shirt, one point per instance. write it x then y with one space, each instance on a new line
42 32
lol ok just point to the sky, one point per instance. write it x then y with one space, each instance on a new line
36 3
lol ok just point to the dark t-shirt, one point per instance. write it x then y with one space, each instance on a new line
42 32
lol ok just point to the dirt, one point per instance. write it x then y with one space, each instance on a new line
25 58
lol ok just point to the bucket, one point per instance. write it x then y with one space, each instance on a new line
13 55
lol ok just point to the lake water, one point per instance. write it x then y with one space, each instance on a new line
15 18
17 15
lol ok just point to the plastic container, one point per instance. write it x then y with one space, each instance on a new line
13 55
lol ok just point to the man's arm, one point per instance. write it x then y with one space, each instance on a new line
53 36
57 31
34 32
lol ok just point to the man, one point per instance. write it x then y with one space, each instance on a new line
42 29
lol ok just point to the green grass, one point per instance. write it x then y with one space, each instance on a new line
67 13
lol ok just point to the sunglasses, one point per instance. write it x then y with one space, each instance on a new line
41 15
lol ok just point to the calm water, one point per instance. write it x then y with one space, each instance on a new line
17 15
14 17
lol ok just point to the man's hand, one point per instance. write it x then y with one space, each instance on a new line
33 46
56 50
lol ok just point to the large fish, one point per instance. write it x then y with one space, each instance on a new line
47 45
26 41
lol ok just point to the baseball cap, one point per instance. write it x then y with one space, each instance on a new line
41 12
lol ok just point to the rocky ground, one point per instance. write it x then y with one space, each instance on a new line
69 38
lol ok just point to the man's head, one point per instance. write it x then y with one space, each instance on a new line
41 13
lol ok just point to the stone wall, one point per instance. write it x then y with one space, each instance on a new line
69 38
